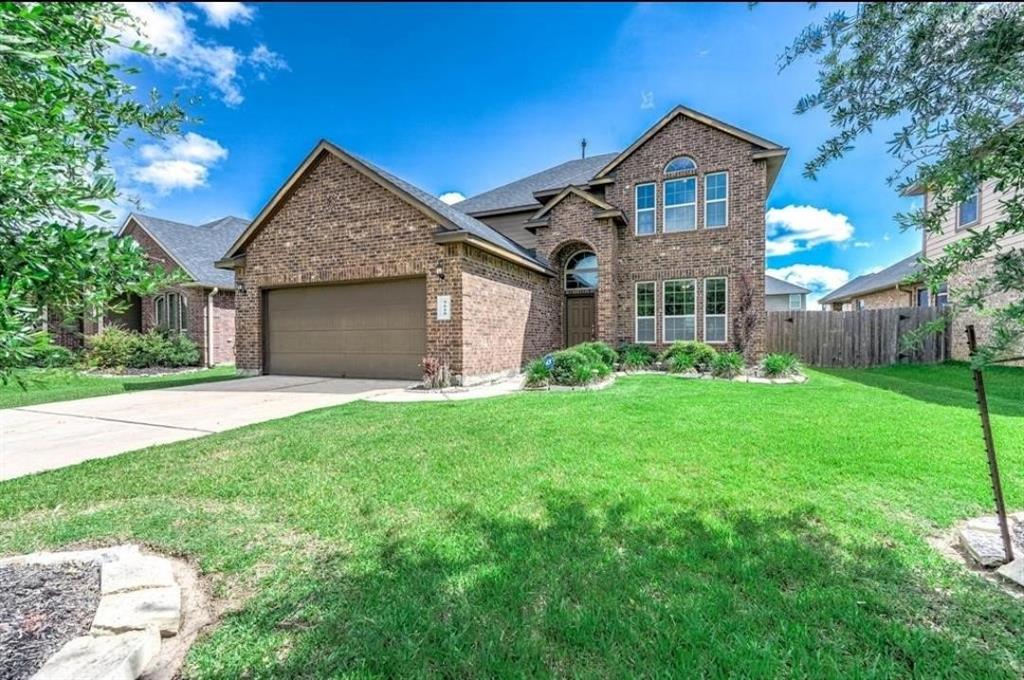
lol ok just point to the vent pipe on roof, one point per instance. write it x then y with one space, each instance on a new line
583 148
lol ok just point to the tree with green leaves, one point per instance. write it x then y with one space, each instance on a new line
949 78
64 101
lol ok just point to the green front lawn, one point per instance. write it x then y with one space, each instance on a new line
60 384
661 527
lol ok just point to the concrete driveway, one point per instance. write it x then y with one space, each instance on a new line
48 436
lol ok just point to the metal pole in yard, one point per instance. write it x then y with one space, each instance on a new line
990 448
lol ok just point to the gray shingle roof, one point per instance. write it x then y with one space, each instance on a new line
889 277
520 193
460 219
197 247
774 286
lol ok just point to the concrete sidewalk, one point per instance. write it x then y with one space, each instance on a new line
49 436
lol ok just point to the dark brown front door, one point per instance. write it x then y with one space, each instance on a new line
579 319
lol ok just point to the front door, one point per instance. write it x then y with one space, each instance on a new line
579 319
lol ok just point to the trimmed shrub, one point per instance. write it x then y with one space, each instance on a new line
680 363
700 355
779 365
605 353
571 367
587 350
634 356
537 373
727 365
118 348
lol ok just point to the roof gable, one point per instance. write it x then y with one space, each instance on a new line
889 277
774 286
573 191
764 148
193 248
447 217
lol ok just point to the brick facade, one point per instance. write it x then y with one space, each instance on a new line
624 258
879 299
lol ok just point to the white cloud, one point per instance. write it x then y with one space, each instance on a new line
795 228
821 279
862 244
167 28
180 163
221 14
452 197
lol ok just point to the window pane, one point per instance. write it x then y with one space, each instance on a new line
679 298
645 222
682 218
644 196
716 214
580 279
645 330
161 315
714 296
172 311
716 186
922 297
680 328
183 311
969 210
794 301
680 191
645 299
681 164
715 329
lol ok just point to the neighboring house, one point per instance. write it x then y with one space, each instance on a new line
783 296
982 210
203 307
884 289
351 271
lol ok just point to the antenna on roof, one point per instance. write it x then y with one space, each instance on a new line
583 148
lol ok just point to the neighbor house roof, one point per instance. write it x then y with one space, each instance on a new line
890 277
520 193
456 225
774 286
194 247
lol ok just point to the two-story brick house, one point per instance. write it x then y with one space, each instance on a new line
351 271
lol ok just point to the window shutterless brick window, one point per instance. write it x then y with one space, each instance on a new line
716 200
681 204
646 220
171 312
716 309
679 299
645 306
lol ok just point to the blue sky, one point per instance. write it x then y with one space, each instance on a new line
463 97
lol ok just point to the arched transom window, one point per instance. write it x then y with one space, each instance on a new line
680 164
581 271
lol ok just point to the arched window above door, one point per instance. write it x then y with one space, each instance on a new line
581 271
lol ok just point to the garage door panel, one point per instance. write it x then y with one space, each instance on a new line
354 330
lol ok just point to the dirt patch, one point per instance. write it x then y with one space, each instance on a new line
148 372
41 608
948 545
197 614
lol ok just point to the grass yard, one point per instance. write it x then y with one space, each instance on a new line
61 384
660 527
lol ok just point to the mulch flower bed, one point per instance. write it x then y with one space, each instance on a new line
41 608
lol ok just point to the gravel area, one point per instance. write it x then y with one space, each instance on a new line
41 608
139 372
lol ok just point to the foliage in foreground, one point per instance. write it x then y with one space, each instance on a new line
685 355
64 103
635 356
952 76
780 365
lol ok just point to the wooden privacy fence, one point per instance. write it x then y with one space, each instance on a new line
870 337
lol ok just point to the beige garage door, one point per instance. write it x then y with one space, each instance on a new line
359 330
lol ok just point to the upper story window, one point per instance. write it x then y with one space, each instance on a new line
969 211
681 204
942 296
716 200
646 223
680 164
581 271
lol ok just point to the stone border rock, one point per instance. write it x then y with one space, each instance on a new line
140 602
592 387
982 543
753 379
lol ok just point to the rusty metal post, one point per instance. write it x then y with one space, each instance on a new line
990 449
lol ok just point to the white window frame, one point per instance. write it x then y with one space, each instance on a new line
725 316
799 301
565 274
637 210
665 206
977 211
665 316
636 312
717 200
666 171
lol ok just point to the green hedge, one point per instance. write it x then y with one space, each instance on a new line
684 355
117 348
